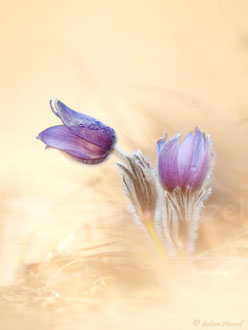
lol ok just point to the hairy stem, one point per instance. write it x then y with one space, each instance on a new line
119 154
182 213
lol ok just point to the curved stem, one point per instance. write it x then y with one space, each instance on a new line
149 225
119 154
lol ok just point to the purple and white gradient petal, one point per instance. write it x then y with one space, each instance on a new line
187 164
167 162
82 137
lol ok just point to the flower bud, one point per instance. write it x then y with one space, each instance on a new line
185 164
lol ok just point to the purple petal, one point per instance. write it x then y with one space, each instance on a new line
198 177
167 163
190 155
185 155
86 127
64 139
202 167
193 160
160 144
199 148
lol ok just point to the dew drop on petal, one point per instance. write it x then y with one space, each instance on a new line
93 127
193 169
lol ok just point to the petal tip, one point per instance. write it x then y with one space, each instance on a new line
198 131
53 109
59 104
178 135
160 143
163 138
175 138
56 102
38 137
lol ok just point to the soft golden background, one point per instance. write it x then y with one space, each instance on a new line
143 67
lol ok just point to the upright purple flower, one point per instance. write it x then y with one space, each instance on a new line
186 164
81 137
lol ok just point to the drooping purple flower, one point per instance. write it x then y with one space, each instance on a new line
81 137
186 164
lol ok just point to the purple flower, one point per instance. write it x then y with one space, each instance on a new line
186 164
82 137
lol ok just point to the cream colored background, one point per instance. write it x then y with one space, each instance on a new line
143 67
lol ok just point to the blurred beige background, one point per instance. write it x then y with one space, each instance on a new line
143 67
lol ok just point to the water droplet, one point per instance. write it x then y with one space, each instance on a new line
193 169
109 131
93 127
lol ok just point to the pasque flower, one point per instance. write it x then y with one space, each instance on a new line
184 164
81 137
